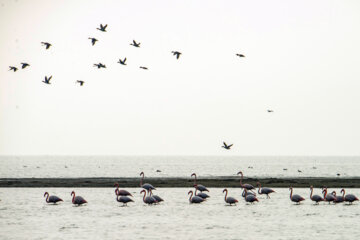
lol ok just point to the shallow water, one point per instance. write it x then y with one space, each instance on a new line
25 215
176 166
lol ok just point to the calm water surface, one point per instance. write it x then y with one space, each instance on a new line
25 215
177 166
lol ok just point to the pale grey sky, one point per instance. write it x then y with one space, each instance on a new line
301 61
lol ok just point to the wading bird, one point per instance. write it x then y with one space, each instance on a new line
315 198
77 200
102 28
123 199
146 186
340 198
201 194
46 44
52 199
12 68
24 65
328 197
227 146
157 198
121 192
93 40
122 62
176 53
350 198
47 80
148 199
229 200
264 190
245 185
194 199
199 187
295 198
251 198
135 44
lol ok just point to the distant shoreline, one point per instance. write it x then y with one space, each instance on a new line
213 182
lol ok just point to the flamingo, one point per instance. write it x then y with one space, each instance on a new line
315 198
52 199
157 198
251 198
201 194
194 199
200 187
339 198
146 186
148 200
295 198
123 199
78 199
229 200
266 191
121 192
244 192
349 197
246 186
328 197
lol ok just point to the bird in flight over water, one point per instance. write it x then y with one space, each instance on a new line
270 111
122 62
24 65
176 53
46 44
47 80
93 40
102 28
13 68
227 146
81 82
240 55
145 68
135 44
100 65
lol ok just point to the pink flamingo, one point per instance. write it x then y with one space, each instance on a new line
200 187
264 190
52 199
157 198
194 199
328 197
123 199
201 194
121 192
245 185
251 198
77 199
295 198
315 198
146 186
349 197
148 199
229 200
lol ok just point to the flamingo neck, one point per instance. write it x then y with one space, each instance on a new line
291 190
195 180
259 189
47 197
311 192
144 196
195 191
191 194
325 192
141 180
73 199
226 195
343 193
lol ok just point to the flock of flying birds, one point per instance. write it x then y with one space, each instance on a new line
102 28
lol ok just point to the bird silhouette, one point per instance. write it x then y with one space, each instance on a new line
135 44
24 65
176 53
13 68
145 68
46 44
93 40
227 146
100 65
81 82
47 80
122 62
102 28
240 55
270 111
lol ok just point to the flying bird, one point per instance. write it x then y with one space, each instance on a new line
122 62
13 68
93 40
46 44
81 82
227 146
135 44
24 65
145 68
100 65
270 111
47 80
240 55
102 28
176 53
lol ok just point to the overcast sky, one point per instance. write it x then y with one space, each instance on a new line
302 61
